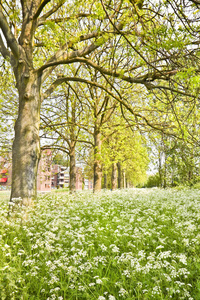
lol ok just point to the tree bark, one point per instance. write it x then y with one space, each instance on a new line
105 184
26 145
127 183
160 169
72 172
119 175
124 179
97 161
114 176
165 175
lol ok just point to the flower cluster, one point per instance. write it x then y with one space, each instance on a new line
131 244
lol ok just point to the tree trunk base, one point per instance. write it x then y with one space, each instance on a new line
19 208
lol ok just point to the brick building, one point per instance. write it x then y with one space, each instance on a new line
60 176
88 184
44 171
49 176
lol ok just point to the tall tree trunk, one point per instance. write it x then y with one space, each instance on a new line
124 179
160 169
72 172
72 155
105 184
165 174
119 175
114 176
97 161
26 145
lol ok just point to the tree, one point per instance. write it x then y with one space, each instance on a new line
102 107
60 159
177 162
90 109
62 121
124 152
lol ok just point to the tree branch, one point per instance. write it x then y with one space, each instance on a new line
4 51
150 86
50 12
121 101
11 41
53 146
63 56
40 8
63 52
42 21
142 79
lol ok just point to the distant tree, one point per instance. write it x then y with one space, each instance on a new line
61 124
124 154
177 161
59 159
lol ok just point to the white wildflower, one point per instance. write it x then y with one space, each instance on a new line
111 297
182 258
122 292
160 247
103 247
115 249
99 281
91 284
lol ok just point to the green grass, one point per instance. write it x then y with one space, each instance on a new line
4 195
131 244
60 190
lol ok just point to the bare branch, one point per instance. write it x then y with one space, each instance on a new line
44 119
59 81
63 56
196 2
150 86
11 41
4 51
49 13
54 146
40 8
42 21
141 80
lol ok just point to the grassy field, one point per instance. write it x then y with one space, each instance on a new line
131 244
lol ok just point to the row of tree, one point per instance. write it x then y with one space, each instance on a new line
139 58
83 120
177 163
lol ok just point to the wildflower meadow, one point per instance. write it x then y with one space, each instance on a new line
125 244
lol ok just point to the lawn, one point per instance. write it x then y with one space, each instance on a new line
131 244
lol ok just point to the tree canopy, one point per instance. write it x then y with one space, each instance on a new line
151 46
